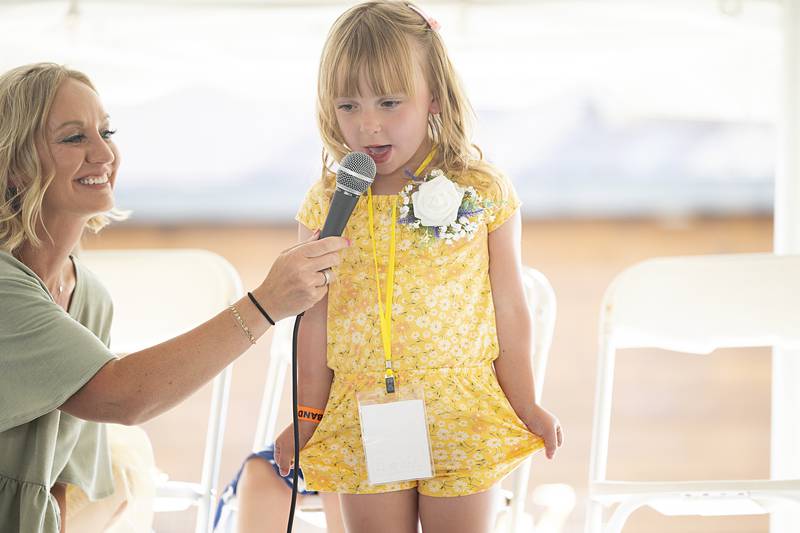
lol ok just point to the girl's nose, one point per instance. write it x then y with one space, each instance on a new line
370 124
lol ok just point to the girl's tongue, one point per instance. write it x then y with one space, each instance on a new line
379 154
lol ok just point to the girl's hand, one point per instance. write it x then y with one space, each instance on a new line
284 445
544 424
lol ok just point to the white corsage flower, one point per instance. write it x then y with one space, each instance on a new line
436 202
440 210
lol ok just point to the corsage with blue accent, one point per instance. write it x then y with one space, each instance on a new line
441 209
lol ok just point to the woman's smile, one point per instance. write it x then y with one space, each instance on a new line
95 182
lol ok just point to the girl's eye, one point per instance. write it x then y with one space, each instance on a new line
391 104
345 107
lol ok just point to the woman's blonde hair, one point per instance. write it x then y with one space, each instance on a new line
26 97
383 40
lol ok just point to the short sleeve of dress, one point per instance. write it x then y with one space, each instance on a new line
45 355
505 201
315 206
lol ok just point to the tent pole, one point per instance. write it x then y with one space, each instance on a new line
785 461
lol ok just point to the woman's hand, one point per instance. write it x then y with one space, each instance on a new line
284 445
296 281
544 424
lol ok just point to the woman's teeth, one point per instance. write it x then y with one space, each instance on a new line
92 180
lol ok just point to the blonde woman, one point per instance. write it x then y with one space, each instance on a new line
59 383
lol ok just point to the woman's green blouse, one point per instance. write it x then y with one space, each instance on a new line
46 355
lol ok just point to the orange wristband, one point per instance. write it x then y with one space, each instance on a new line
309 414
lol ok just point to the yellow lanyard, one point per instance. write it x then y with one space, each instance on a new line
385 311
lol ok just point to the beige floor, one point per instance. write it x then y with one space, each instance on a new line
677 416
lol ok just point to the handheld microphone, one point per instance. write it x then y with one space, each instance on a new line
356 174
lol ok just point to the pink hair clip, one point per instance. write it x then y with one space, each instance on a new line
432 22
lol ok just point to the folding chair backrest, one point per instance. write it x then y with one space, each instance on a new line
157 295
747 300
542 303
694 305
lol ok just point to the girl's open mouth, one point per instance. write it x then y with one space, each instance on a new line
379 154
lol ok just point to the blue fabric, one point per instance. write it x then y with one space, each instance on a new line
268 454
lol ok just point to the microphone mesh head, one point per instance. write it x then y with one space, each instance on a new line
356 173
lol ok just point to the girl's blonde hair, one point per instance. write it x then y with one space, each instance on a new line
383 40
26 97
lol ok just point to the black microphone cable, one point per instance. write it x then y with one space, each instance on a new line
295 424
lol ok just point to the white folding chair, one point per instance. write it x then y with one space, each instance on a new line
693 305
157 295
542 302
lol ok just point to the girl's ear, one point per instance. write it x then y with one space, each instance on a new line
434 108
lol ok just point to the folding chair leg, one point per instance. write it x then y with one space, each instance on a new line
594 517
522 477
622 513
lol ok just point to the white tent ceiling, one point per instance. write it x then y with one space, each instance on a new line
206 91
678 58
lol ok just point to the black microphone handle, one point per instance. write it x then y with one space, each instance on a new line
339 213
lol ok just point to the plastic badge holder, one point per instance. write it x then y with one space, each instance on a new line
394 432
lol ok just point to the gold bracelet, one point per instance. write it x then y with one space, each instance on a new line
244 327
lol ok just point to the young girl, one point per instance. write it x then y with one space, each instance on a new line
442 228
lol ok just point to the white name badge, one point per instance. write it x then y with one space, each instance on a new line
394 430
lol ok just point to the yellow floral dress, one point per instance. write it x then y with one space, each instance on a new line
443 339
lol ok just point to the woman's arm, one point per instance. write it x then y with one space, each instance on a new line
144 384
512 315
313 375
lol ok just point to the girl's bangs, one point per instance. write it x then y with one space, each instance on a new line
384 60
